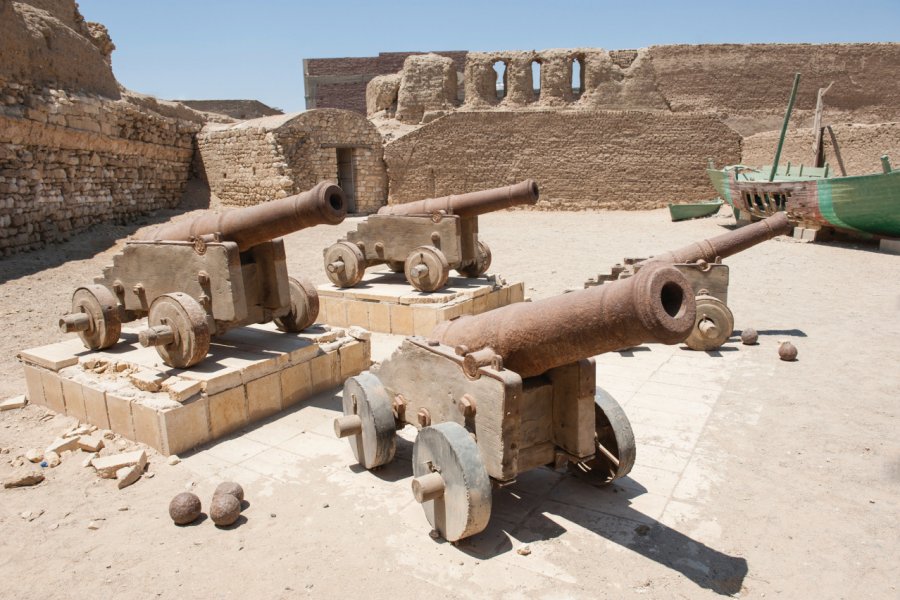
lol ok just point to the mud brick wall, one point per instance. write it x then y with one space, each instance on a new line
860 147
750 77
70 160
580 159
341 82
273 157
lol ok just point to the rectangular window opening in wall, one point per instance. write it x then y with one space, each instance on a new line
536 77
346 176
577 76
500 75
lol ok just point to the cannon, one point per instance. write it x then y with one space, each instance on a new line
424 239
701 263
200 277
497 394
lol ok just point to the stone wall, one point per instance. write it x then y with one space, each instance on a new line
341 82
580 159
746 85
860 147
68 161
75 148
46 43
236 109
273 157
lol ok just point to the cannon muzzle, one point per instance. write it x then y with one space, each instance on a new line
656 305
322 205
471 204
729 243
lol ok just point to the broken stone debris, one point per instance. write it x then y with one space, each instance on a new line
60 445
128 475
23 478
11 403
90 443
107 466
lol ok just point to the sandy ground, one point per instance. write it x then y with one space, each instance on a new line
755 478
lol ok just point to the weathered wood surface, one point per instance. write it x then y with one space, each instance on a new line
399 235
432 378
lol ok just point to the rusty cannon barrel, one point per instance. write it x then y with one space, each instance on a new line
471 204
727 244
324 204
656 305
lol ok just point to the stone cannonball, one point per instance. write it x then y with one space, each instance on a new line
184 508
787 351
224 510
749 336
230 487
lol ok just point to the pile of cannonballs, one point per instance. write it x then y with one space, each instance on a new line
224 509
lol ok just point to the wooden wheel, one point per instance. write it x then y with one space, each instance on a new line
427 269
713 326
450 481
368 421
482 262
304 306
613 441
95 316
345 264
178 329
395 265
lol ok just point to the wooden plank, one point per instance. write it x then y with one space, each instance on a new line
165 267
432 378
715 280
573 406
400 235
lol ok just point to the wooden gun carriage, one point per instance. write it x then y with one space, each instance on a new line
200 277
500 393
701 263
424 239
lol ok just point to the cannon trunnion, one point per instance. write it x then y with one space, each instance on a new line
500 393
424 239
198 278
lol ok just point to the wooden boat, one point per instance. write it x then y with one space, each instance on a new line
867 205
695 210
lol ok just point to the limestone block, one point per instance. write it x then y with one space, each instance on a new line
185 427
119 410
95 407
53 394
354 358
264 396
324 371
227 411
73 393
296 384
145 421
33 385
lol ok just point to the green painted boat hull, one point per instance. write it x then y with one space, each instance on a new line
868 204
683 212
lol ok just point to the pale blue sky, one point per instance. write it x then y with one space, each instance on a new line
231 49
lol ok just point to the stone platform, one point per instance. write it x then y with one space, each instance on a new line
249 374
385 302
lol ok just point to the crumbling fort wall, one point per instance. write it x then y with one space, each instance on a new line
859 147
273 157
581 159
75 149
341 82
599 128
